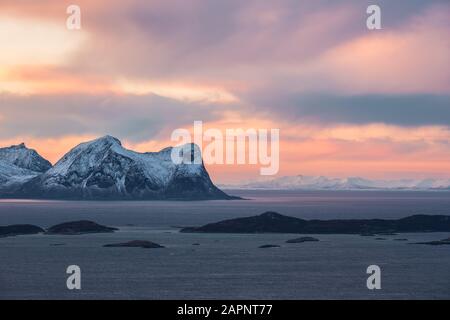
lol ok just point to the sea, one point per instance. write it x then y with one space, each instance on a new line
225 266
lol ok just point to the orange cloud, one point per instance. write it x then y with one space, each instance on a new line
372 151
51 79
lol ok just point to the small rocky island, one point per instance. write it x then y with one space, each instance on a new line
267 246
19 229
272 222
135 244
79 227
67 228
436 243
302 239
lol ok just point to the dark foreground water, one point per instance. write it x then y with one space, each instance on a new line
224 266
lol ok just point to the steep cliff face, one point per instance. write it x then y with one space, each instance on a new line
103 169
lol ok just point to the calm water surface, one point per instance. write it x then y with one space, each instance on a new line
224 266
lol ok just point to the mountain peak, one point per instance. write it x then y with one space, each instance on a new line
20 146
109 139
22 157
17 146
271 215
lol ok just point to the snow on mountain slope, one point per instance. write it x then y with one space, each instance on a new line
22 157
351 183
103 169
13 175
18 164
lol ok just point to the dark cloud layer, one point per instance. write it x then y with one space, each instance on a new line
138 118
403 110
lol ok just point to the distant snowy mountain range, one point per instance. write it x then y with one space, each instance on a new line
301 182
103 170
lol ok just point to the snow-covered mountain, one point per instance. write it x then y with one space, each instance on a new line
301 182
103 169
11 175
24 158
19 164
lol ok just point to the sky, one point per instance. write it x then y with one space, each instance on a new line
348 101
